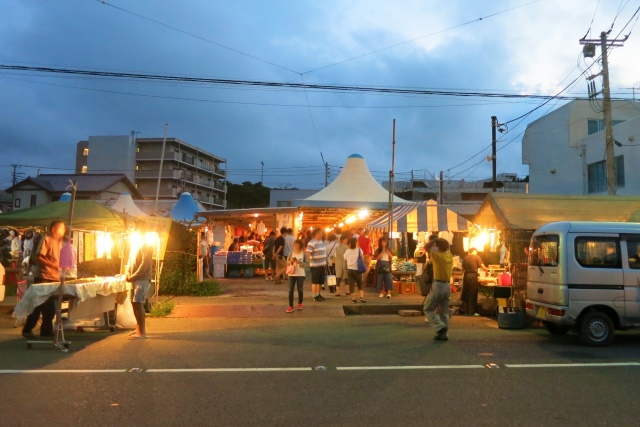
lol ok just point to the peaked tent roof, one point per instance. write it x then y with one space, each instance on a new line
353 188
427 216
87 215
125 205
529 211
185 208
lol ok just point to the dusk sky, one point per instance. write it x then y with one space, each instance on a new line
532 48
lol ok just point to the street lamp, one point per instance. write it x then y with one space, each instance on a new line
619 144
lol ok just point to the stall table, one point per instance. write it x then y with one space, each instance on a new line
94 296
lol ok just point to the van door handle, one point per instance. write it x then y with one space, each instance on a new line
540 290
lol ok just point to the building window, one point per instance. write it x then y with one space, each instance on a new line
16 203
597 125
34 200
137 167
285 203
84 169
85 152
137 149
597 175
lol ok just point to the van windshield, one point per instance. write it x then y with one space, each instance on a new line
544 250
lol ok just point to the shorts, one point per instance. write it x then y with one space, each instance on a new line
139 290
341 271
270 263
317 275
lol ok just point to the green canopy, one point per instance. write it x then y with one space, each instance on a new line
88 215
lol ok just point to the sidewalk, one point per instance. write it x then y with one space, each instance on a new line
258 298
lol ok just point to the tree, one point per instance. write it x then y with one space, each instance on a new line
247 195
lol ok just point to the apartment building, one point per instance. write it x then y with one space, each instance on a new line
565 149
185 167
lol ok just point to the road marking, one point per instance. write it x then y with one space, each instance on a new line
229 370
383 368
571 365
62 371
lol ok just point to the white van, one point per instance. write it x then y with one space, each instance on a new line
585 276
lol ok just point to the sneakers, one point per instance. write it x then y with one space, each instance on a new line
28 334
318 298
321 297
290 310
381 295
299 306
441 335
362 300
388 296
353 301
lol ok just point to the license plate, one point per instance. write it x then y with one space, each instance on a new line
542 313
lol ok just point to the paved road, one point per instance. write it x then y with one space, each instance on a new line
366 370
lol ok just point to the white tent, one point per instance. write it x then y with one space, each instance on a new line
126 205
353 188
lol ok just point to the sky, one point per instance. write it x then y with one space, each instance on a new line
518 47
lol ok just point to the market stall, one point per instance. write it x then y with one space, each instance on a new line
97 232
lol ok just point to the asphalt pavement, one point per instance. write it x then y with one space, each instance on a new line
383 370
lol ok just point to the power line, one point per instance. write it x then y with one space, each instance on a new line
320 87
248 55
420 38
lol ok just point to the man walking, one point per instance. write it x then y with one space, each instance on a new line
317 253
470 266
440 294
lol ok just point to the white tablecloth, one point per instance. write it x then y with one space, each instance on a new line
38 293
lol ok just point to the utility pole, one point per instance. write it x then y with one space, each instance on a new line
164 143
391 177
261 172
441 187
494 128
612 185
326 173
14 175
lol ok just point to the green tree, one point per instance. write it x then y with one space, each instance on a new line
247 195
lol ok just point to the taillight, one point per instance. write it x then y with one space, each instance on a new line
555 312
529 306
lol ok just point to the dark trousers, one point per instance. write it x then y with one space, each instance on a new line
48 311
470 292
295 281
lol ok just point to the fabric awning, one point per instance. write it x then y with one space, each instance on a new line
428 217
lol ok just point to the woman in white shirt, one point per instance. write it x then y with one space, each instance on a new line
383 257
355 277
296 263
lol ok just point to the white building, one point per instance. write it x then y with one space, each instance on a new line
565 149
285 197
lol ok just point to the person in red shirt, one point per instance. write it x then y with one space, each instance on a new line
365 245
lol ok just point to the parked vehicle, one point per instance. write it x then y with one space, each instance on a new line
585 276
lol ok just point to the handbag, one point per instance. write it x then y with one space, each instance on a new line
362 268
291 268
384 269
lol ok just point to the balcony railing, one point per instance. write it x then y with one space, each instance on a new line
151 174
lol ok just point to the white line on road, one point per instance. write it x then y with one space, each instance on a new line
382 368
62 371
229 370
571 365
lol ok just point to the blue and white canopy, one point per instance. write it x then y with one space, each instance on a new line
428 217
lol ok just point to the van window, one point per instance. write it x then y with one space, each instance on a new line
544 250
598 252
633 248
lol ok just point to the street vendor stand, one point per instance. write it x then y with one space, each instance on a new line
92 297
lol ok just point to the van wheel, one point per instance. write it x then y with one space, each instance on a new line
596 329
555 329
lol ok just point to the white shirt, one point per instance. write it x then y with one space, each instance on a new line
300 256
351 258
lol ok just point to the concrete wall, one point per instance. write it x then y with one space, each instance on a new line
112 154
553 148
22 197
